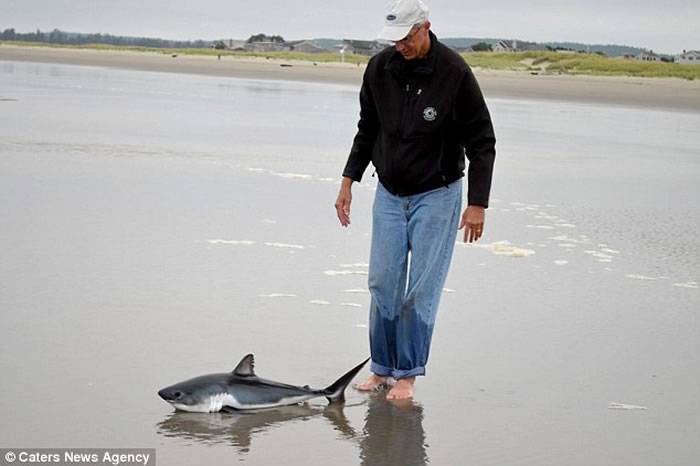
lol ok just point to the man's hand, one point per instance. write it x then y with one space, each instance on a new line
342 204
473 220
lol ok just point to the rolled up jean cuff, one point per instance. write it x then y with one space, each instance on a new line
384 371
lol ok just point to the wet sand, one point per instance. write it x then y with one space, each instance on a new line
667 93
157 227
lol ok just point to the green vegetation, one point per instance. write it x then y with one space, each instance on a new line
265 38
299 56
482 47
580 63
312 57
535 61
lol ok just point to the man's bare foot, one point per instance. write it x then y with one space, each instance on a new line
373 382
402 390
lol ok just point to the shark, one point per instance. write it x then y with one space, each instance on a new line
241 390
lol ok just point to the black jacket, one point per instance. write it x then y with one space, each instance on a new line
418 118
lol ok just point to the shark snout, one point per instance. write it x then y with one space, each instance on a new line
169 394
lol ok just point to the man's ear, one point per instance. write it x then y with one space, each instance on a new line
427 25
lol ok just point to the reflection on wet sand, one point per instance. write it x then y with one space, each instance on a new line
237 429
393 433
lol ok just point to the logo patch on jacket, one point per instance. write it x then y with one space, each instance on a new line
429 114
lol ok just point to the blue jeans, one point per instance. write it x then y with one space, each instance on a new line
413 238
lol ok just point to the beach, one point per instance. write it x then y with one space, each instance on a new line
639 92
162 217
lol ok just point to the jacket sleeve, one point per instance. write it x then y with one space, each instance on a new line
367 129
477 137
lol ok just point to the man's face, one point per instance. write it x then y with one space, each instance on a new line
415 44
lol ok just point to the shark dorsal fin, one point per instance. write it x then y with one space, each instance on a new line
246 368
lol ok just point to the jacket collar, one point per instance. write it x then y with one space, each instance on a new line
396 64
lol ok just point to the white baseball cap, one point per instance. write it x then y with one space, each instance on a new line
400 17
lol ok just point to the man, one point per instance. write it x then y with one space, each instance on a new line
421 110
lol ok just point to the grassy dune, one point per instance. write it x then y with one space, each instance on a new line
579 63
535 61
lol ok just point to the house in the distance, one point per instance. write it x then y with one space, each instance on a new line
305 46
233 44
518 46
689 57
267 46
503 46
647 55
361 47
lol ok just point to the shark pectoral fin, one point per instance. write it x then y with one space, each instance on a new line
245 368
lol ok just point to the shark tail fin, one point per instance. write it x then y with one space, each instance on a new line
335 393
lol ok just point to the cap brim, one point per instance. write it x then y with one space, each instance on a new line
394 33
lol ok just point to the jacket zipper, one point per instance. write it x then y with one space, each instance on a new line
402 132
406 102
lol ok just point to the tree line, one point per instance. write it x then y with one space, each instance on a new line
69 38
73 38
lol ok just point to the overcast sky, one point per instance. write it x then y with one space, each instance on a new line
664 26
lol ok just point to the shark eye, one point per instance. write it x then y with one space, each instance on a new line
177 395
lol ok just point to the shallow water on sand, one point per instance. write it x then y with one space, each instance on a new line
159 226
